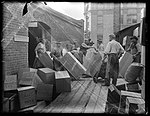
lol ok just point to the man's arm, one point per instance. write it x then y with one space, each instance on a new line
107 50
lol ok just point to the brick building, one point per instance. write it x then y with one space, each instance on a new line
19 31
102 19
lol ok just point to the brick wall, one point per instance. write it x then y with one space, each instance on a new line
15 53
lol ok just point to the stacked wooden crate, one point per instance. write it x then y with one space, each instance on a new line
17 97
130 93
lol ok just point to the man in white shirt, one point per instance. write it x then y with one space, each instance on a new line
40 48
113 50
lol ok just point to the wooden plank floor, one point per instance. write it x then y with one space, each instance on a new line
85 97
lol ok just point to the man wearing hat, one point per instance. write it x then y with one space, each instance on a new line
57 54
113 51
135 49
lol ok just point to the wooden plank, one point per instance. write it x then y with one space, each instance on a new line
93 99
70 106
69 97
80 106
32 108
58 99
101 103
121 81
40 106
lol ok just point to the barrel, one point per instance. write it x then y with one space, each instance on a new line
133 72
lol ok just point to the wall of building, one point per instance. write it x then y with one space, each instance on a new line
110 15
14 52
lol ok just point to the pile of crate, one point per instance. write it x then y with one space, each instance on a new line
125 98
31 85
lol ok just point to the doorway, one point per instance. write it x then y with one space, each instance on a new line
36 29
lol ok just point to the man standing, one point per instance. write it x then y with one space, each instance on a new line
57 54
114 51
135 49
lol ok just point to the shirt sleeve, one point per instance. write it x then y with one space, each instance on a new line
107 50
138 47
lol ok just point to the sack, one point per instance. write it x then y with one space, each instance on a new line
133 72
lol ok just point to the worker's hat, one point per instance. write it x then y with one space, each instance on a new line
133 37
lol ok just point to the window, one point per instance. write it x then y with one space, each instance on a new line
99 20
132 18
100 37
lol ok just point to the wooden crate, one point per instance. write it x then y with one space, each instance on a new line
44 92
10 82
75 68
30 78
46 60
47 75
63 82
132 87
132 104
124 63
124 95
27 96
23 70
113 94
10 102
95 64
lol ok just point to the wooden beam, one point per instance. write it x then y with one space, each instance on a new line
57 100
101 103
70 106
69 97
80 106
93 99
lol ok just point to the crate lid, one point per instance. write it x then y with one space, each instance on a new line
135 100
128 93
61 74
25 88
46 70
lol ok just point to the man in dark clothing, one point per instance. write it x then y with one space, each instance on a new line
135 49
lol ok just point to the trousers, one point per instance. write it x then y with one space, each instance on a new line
112 68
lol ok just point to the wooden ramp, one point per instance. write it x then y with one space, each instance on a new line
85 97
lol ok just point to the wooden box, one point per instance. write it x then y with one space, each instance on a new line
10 82
46 60
113 94
27 96
9 102
132 104
47 75
23 70
44 92
124 63
94 65
132 87
75 68
30 78
124 95
63 82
